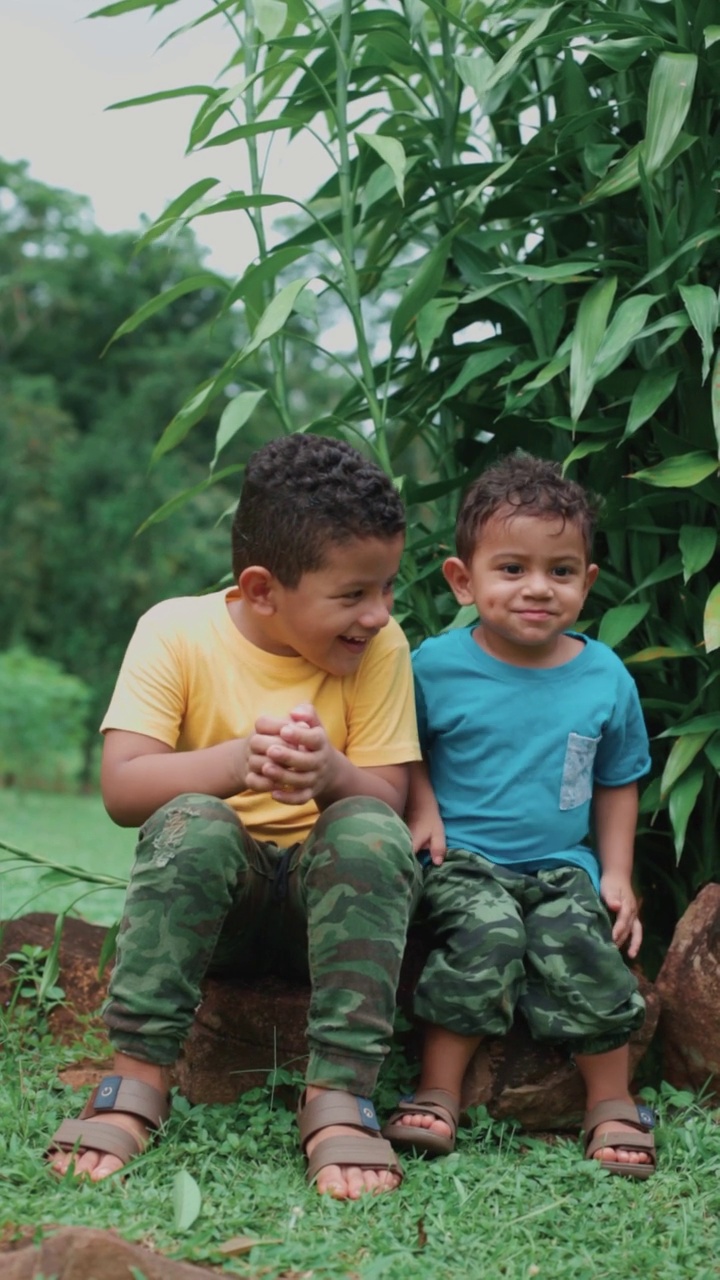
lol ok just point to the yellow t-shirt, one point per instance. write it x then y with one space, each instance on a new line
190 679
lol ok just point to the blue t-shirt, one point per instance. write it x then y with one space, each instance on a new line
514 752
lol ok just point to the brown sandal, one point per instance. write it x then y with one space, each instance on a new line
337 1107
114 1093
432 1102
641 1118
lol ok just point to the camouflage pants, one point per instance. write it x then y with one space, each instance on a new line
539 943
204 896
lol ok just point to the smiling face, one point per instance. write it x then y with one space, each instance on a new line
331 616
528 578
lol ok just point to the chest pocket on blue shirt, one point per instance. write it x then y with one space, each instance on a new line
577 779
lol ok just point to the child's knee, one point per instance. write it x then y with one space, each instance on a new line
190 826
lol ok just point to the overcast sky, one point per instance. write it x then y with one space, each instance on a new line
59 72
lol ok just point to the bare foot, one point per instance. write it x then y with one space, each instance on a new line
347 1182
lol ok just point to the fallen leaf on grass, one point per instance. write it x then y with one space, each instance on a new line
243 1244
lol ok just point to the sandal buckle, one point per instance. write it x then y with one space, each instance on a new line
368 1116
106 1093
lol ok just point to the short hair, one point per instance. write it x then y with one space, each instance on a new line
304 493
521 484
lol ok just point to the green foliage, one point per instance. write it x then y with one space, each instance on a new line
43 712
506 1204
520 225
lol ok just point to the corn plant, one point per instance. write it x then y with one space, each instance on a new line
519 223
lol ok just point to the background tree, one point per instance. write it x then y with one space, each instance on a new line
520 221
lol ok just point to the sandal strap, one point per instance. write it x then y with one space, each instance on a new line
122 1093
640 1117
335 1106
109 1139
626 1141
357 1152
437 1103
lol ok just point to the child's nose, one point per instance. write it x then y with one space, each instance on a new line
375 615
538 583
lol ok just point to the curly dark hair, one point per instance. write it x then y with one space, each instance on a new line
304 493
520 484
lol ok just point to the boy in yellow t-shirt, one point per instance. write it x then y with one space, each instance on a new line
260 738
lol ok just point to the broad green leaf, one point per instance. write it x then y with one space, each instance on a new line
711 621
618 622
708 723
589 331
712 751
557 271
658 653
682 754
234 417
682 802
393 154
618 54
274 316
671 567
652 391
431 322
712 35
529 38
476 366
475 70
270 17
557 365
697 548
204 280
430 273
466 614
669 97
626 174
174 504
678 473
51 968
583 450
107 950
184 91
622 331
187 1200
703 307
183 204
125 6
243 131
715 399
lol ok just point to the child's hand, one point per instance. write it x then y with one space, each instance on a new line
428 832
617 894
266 734
300 760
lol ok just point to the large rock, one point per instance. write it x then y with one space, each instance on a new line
689 987
243 1030
79 1253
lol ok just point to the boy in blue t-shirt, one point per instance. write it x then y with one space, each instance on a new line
525 727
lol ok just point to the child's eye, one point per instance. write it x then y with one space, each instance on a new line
563 571
512 569
353 595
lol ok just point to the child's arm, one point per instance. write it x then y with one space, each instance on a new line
423 816
140 773
304 765
616 811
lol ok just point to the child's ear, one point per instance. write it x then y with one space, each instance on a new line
257 586
591 574
457 576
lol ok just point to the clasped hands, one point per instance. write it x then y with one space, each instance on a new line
292 757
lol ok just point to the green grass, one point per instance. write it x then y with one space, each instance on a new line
71 830
505 1205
